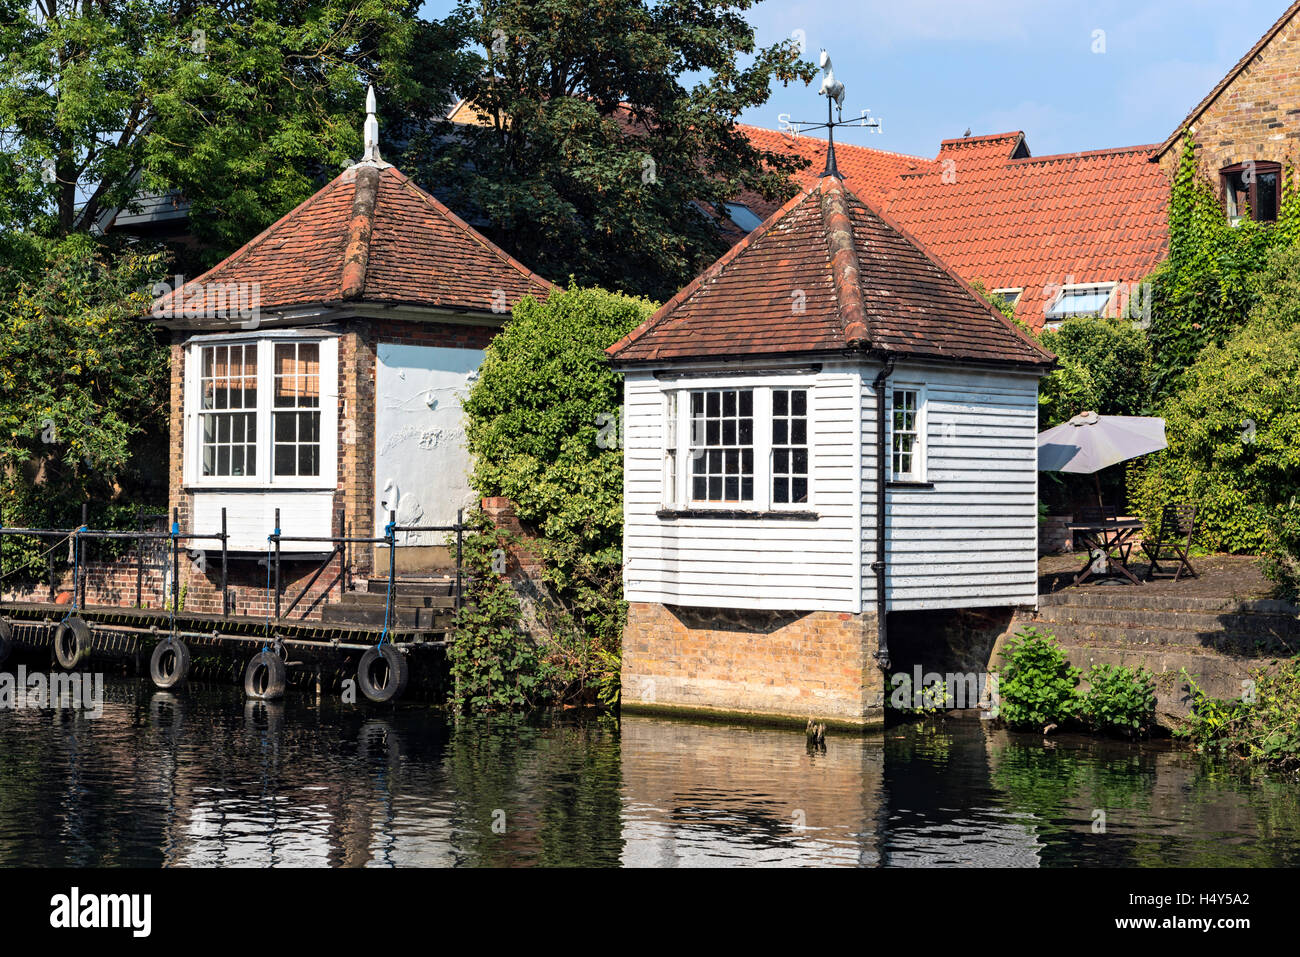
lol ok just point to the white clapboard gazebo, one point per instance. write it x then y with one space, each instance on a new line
825 428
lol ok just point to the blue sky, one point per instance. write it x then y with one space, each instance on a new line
931 68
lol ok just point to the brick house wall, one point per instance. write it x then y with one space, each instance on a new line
1256 116
738 662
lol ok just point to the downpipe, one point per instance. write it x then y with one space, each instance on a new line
878 566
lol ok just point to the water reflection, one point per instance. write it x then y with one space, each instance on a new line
202 778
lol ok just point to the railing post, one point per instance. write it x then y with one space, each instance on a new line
340 546
176 561
225 598
460 534
277 564
139 557
79 575
392 570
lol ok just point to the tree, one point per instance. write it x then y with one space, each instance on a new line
1102 366
82 380
544 426
241 107
1232 427
609 138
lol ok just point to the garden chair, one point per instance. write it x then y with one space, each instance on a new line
1173 542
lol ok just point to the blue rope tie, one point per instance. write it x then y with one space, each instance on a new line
390 534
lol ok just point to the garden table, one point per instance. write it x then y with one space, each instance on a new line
1109 544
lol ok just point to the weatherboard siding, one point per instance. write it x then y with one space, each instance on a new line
971 540
797 565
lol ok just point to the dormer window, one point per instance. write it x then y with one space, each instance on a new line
1089 299
1250 191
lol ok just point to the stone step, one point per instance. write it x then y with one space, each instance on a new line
432 619
1126 596
1150 637
1280 627
400 600
438 586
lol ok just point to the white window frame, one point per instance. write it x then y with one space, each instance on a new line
677 403
1011 296
920 453
1054 322
192 445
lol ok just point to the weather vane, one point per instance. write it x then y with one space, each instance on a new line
833 90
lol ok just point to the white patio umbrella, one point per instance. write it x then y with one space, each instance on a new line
1090 442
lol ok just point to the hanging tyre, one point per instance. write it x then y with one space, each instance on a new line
170 663
264 677
382 673
6 640
71 642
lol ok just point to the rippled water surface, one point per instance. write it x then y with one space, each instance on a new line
203 778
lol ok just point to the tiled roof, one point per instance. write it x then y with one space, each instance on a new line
369 236
826 273
1011 221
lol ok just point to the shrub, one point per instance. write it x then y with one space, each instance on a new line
1102 366
1119 699
1232 450
494 664
1263 726
544 425
1036 685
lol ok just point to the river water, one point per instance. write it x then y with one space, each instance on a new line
204 778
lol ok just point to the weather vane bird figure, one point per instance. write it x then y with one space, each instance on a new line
831 87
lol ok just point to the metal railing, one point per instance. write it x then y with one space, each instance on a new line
340 543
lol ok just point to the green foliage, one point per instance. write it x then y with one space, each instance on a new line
1036 685
1210 282
573 181
1103 366
1232 449
1263 726
83 385
1119 700
241 109
544 426
928 700
494 664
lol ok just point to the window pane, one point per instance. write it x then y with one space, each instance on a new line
722 436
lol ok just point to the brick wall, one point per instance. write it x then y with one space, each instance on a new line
776 665
1256 116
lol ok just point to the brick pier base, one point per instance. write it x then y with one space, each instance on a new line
782 667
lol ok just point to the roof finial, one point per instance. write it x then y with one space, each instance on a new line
371 129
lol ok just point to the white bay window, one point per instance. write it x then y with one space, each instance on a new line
265 412
738 447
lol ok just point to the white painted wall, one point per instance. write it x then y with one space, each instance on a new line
250 518
421 463
726 563
972 540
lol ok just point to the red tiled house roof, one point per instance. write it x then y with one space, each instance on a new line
826 273
370 236
999 216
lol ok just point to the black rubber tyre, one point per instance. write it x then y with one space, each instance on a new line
71 642
169 665
264 677
6 641
382 674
